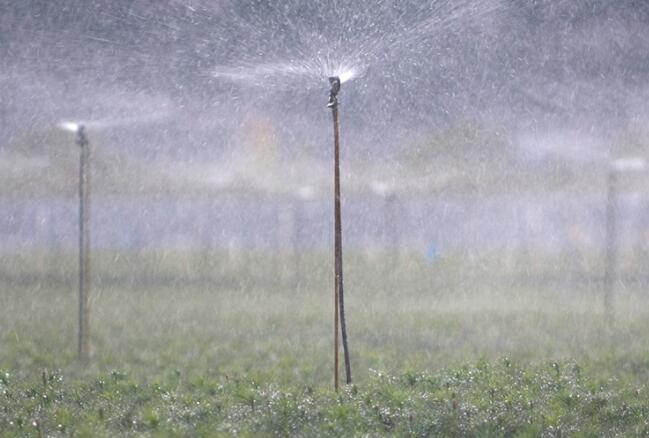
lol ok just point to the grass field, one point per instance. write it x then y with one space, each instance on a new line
189 344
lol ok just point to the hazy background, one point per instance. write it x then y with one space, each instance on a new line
480 182
491 121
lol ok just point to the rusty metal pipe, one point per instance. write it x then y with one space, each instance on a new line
339 301
84 244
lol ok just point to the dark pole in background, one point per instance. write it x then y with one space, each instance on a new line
84 243
390 232
303 196
617 168
611 241
295 241
339 302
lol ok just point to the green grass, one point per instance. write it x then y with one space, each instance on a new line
195 344
500 399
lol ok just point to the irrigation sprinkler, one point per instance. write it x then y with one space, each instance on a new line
84 238
617 168
339 302
84 244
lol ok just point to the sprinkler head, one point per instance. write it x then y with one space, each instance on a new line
82 140
69 126
334 81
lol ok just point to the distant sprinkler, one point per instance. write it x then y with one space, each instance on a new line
339 302
70 126
84 237
617 167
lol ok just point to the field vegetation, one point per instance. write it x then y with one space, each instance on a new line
215 344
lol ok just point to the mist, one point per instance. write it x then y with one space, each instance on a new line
492 172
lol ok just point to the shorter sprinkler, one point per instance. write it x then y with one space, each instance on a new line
84 237
84 243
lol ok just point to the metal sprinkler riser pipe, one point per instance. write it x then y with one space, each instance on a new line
84 244
82 140
340 326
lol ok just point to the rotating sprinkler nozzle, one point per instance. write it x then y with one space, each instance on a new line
334 81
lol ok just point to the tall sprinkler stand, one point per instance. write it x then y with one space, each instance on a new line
84 243
339 302
611 242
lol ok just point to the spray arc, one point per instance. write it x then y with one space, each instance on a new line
340 325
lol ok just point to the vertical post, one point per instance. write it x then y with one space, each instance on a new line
84 244
294 255
390 237
297 226
286 241
611 242
339 302
337 249
304 195
206 247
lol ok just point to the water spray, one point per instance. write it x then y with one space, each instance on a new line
339 302
84 237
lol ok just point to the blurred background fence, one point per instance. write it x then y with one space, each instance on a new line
514 228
